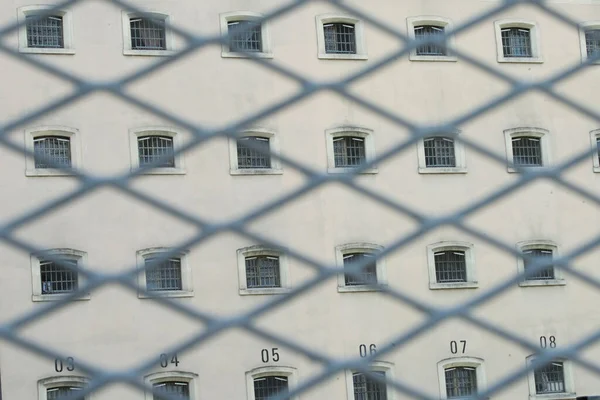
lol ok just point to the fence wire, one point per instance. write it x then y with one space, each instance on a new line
84 86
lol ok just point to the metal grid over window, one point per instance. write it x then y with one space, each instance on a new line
163 276
244 36
45 32
550 378
425 32
153 148
527 151
62 392
148 34
538 256
340 38
460 382
263 272
598 149
57 278
52 152
592 42
450 266
176 390
268 387
348 151
257 156
367 388
439 152
364 276
516 42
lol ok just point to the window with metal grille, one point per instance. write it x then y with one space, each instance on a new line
244 36
592 42
598 149
527 151
262 272
269 386
176 390
348 151
516 42
538 256
367 388
45 32
450 266
57 277
254 156
460 382
147 34
367 275
340 38
164 275
439 152
52 152
550 379
425 32
62 392
151 149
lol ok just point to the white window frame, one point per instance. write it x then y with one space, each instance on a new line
469 250
539 133
459 155
126 27
289 372
226 18
544 245
259 250
536 48
169 376
472 362
594 135
36 275
582 28
569 393
359 35
59 381
135 133
67 20
275 169
360 247
434 20
187 289
52 130
378 366
365 133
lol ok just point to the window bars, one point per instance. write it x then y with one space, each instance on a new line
148 34
538 256
163 276
516 42
550 378
348 151
450 266
255 156
527 151
52 152
366 275
62 392
56 278
45 32
244 36
340 38
268 387
176 390
262 272
424 32
151 149
592 42
367 388
460 382
439 152
598 149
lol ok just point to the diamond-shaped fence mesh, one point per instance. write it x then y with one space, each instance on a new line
526 355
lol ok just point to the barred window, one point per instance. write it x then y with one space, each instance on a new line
148 34
262 272
57 277
450 266
163 276
244 36
424 32
439 152
45 32
62 392
598 149
550 379
367 388
516 42
527 151
592 42
538 256
154 148
270 386
252 157
460 382
348 151
365 276
52 152
340 38
176 390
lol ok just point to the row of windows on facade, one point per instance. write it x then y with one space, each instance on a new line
338 36
459 378
347 148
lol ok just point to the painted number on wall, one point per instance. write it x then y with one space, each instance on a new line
547 341
362 350
60 365
459 346
266 356
164 360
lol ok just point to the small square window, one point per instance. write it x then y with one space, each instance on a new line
550 379
59 393
147 34
539 254
431 27
57 277
175 384
178 390
516 42
244 36
460 382
349 148
349 151
253 152
268 387
361 267
439 152
367 275
268 382
536 256
527 151
527 148
52 152
61 387
450 266
262 272
367 388
163 276
45 32
425 32
247 35
54 274
592 42
340 38
153 149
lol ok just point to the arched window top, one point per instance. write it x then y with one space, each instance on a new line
264 382
461 377
177 383
52 387
156 149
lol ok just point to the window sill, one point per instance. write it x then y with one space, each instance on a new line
596 169
352 170
325 56
455 285
48 172
152 53
518 171
165 293
33 50
163 171
256 171
231 54
433 58
56 297
554 396
521 60
359 288
549 282
263 291
442 170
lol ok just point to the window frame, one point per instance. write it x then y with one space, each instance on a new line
471 362
169 376
434 20
260 250
540 133
67 21
52 130
594 136
459 156
365 133
471 271
60 381
275 169
360 247
359 36
536 48
569 382
226 18
187 289
136 133
545 245
126 16
376 366
583 27
36 277
290 372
